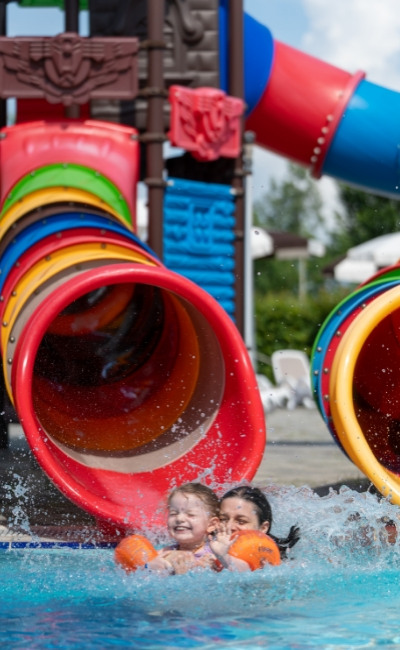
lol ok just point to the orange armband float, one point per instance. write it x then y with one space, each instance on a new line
134 552
255 548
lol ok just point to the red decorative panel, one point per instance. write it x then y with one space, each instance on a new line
206 122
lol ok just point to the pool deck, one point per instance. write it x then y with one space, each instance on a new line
300 451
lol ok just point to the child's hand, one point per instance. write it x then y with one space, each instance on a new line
220 543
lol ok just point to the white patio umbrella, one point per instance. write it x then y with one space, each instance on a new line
261 243
362 261
354 271
383 250
283 245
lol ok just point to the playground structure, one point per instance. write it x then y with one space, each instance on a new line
122 358
135 378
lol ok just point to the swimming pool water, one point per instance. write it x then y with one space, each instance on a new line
340 589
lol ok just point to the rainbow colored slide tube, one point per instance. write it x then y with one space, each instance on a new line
127 378
356 378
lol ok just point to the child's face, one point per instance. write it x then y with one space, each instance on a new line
240 514
189 521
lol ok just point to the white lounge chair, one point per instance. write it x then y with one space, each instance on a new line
292 368
273 397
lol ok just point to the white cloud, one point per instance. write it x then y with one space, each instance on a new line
266 165
356 34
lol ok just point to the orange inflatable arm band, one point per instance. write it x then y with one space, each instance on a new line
134 552
255 548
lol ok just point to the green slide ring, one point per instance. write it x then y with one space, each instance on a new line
71 175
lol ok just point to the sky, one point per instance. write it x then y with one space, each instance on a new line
350 34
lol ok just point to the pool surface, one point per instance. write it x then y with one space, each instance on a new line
340 589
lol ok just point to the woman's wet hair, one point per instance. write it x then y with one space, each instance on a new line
264 513
202 492
256 497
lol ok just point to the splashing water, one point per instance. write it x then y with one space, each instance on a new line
339 589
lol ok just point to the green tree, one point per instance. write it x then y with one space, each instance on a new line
365 216
293 205
282 320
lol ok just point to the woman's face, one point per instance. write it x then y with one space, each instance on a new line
239 514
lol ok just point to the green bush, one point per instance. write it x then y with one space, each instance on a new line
284 322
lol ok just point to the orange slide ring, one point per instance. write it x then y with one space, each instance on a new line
99 400
102 399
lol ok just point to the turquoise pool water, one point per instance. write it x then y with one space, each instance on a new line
340 589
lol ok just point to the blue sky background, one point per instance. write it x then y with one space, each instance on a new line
351 34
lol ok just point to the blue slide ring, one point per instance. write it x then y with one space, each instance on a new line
66 221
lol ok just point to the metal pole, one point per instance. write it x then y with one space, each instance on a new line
72 25
236 88
154 137
4 400
302 268
3 32
72 16
248 298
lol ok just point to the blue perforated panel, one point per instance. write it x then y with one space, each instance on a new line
199 236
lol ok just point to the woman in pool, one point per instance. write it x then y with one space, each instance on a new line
247 508
193 524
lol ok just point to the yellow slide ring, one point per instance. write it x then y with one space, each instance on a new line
47 196
46 269
60 260
341 394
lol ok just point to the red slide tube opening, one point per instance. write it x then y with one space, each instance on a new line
135 379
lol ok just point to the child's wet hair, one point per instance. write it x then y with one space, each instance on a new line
202 492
